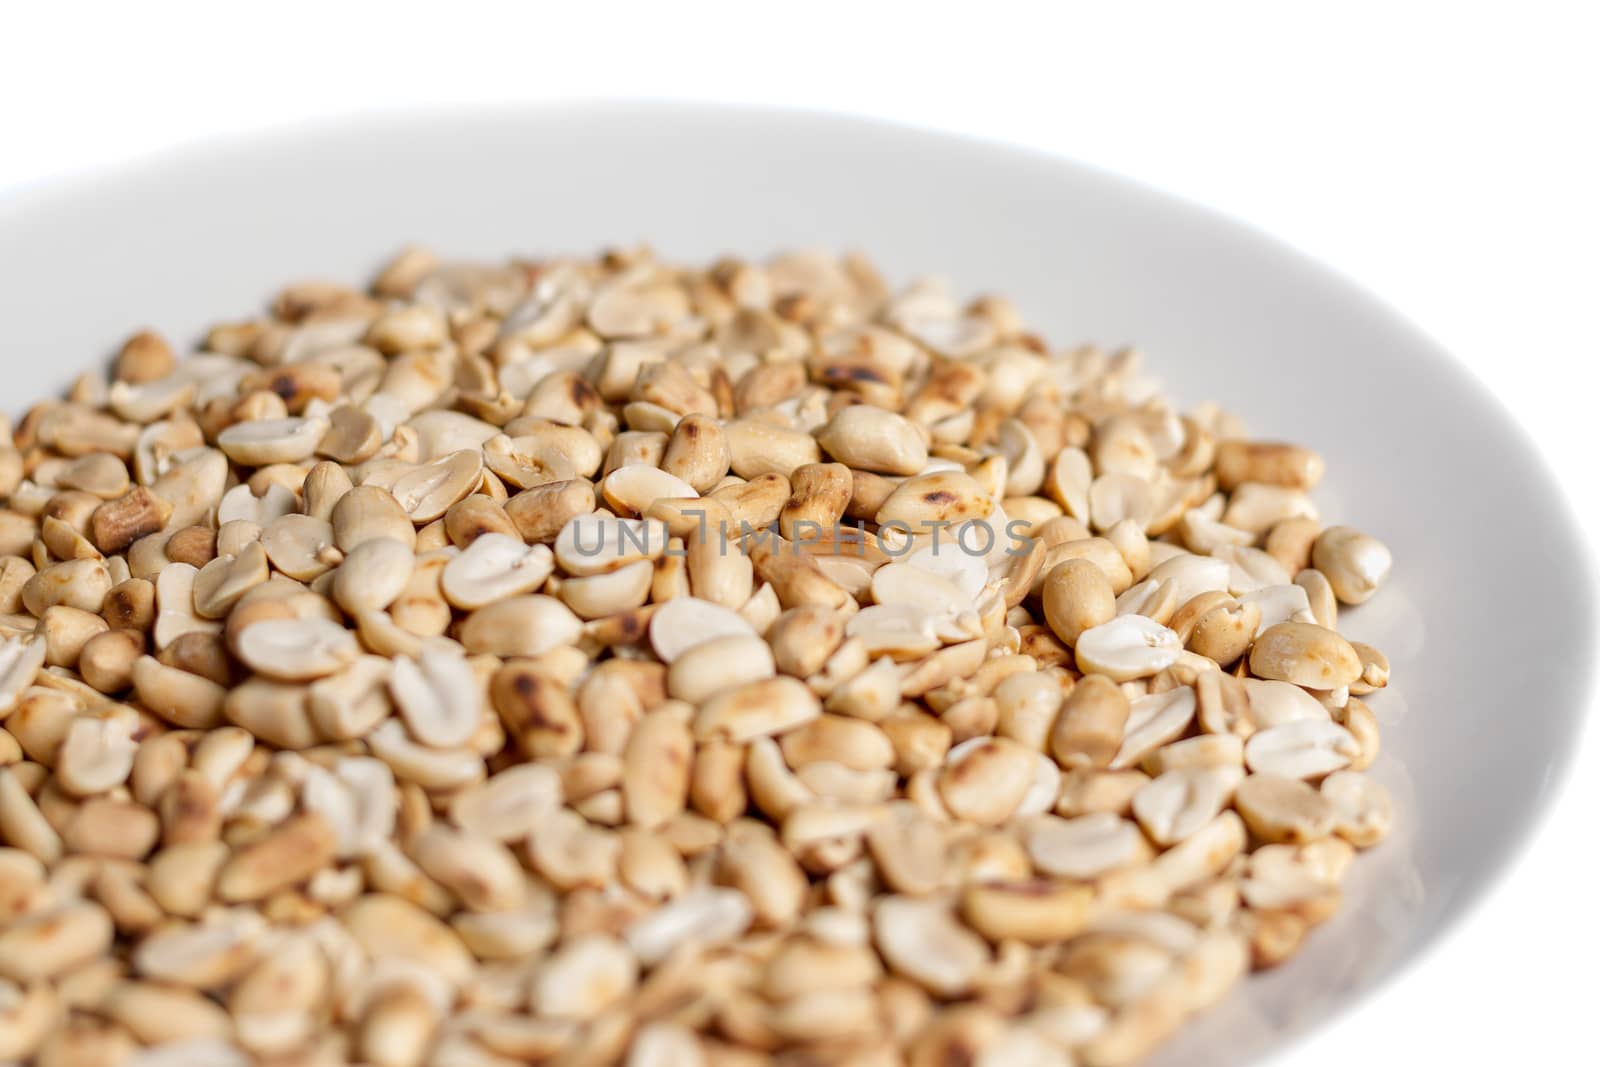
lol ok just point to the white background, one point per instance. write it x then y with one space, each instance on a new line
1445 157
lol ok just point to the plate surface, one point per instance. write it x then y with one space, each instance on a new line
1487 620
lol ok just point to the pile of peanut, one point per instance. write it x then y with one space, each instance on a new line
589 662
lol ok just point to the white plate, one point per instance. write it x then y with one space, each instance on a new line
1488 618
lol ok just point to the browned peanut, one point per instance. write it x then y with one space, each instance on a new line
819 493
1266 462
1077 596
804 637
1355 563
870 439
538 711
287 855
1225 632
130 605
144 357
1033 912
541 512
656 767
1088 730
1305 654
1290 541
119 523
942 497
756 447
697 452
106 661
986 782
